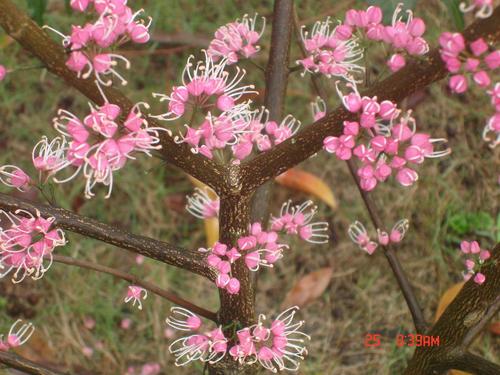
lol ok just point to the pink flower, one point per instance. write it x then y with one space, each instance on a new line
396 62
479 278
125 323
18 335
136 294
3 72
458 83
406 176
15 177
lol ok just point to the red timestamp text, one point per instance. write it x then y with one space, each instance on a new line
417 340
374 340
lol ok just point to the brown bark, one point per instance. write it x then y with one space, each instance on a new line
460 323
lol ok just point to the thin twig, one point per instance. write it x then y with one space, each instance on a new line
187 259
397 269
168 295
276 85
17 362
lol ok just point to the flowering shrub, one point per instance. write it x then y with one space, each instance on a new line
234 147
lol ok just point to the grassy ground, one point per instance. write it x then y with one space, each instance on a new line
456 198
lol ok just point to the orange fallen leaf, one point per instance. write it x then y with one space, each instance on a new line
306 182
308 288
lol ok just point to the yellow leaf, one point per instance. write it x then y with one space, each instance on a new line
211 230
306 182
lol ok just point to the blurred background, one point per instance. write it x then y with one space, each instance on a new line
81 320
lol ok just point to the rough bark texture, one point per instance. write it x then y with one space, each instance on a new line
164 252
460 323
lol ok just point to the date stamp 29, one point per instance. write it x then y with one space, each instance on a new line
374 340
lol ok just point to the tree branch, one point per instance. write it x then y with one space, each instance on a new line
276 84
20 27
462 320
17 362
164 252
471 363
168 295
415 76
389 252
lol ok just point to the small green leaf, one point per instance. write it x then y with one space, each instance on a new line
456 14
38 8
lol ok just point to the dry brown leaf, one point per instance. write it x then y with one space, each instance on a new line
306 182
308 288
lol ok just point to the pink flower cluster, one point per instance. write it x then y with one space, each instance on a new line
208 347
208 87
17 335
477 257
332 52
276 347
473 60
335 52
404 37
117 24
136 294
388 133
484 8
26 246
257 249
262 133
297 220
99 145
358 234
236 39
